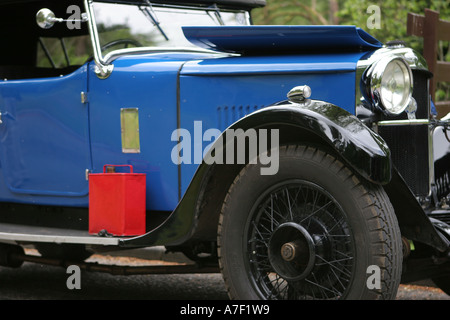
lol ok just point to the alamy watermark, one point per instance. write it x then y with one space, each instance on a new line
374 20
74 280
75 18
46 18
240 146
374 278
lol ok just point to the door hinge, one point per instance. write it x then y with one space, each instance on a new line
87 172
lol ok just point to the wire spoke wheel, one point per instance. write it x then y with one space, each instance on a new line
310 231
299 244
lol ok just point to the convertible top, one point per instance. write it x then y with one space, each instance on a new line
247 4
220 3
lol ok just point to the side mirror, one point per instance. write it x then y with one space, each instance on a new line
45 18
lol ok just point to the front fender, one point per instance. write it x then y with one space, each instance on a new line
361 148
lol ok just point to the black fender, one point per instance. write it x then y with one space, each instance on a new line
312 120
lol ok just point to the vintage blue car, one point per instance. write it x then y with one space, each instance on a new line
302 162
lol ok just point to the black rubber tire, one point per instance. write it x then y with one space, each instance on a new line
370 225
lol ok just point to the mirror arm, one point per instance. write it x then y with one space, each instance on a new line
102 69
58 20
45 18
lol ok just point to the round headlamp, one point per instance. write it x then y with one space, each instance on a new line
391 84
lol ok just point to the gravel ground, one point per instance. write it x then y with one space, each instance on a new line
41 282
421 292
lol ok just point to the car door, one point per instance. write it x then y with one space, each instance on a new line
44 138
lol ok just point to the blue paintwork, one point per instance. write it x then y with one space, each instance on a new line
272 65
49 138
149 83
230 90
263 39
44 144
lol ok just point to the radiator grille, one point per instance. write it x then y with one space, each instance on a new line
409 144
442 176
441 215
409 151
420 93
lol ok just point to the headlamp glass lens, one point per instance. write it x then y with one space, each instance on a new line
395 89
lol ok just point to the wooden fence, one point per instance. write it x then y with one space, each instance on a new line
433 30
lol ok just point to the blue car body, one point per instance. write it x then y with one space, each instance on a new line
51 145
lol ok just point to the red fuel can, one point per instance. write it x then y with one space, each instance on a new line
117 202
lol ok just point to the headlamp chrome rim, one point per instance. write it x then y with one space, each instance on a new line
375 80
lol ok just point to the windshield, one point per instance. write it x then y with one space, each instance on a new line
128 26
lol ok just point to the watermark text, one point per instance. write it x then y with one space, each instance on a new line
234 146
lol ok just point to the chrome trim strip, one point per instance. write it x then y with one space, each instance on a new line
432 178
111 56
22 237
403 122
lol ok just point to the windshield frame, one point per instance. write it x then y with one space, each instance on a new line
103 63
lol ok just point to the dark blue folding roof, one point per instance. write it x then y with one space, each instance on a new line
248 4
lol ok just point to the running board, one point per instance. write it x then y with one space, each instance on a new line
13 233
119 269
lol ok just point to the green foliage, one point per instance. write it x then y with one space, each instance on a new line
78 51
349 12
393 18
393 25
115 32
291 12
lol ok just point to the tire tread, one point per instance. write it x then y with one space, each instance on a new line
376 210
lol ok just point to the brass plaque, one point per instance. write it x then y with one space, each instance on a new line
129 122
